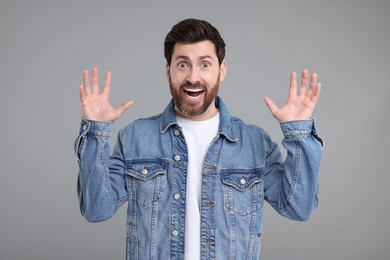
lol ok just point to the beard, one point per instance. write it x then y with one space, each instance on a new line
192 109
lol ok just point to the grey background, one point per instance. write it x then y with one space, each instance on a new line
45 45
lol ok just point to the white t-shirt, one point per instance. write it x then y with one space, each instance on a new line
198 136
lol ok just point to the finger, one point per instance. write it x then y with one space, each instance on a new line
313 85
271 105
95 81
107 83
87 87
293 84
123 107
304 80
316 94
82 93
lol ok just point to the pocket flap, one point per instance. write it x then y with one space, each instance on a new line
146 169
241 179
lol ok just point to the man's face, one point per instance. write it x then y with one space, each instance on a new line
194 76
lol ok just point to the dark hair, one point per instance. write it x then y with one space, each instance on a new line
193 31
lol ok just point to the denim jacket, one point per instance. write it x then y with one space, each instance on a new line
242 168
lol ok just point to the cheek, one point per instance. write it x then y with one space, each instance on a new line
176 78
212 80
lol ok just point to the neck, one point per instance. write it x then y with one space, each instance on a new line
211 112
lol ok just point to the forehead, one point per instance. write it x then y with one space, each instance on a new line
195 50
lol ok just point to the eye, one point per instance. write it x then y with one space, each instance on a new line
182 65
206 65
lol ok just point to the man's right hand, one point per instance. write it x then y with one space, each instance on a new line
96 106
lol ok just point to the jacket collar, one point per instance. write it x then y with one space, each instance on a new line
226 127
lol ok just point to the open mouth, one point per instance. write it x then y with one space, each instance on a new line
193 92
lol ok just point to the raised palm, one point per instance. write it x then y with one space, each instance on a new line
95 104
301 103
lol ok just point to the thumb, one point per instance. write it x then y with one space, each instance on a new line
125 105
122 108
271 105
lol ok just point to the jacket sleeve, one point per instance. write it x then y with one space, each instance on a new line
291 186
101 182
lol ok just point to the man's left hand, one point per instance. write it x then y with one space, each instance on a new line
301 103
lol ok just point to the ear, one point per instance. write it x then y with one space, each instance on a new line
167 71
222 70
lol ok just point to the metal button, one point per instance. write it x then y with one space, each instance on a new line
145 171
177 132
175 233
84 127
176 196
177 157
243 181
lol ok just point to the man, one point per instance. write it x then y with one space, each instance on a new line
194 177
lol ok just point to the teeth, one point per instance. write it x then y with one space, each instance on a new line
194 90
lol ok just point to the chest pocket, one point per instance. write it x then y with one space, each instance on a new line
146 180
242 190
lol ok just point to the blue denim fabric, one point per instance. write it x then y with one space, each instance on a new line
242 169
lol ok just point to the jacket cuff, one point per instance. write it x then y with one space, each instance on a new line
96 128
293 129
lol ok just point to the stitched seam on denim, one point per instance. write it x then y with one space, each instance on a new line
295 177
253 217
106 181
287 207
296 134
79 145
106 173
134 210
233 234
154 211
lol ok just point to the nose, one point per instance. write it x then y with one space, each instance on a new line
193 76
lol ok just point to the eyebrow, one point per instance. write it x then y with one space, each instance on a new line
182 57
187 58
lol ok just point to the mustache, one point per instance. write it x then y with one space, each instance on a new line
188 84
